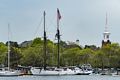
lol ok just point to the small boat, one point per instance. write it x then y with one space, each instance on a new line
84 70
8 71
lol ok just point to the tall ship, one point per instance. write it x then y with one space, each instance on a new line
45 71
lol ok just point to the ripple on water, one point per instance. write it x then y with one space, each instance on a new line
72 77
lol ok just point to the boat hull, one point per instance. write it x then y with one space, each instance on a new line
80 72
9 73
45 73
57 72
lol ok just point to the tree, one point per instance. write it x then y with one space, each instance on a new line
13 44
86 56
3 51
112 54
37 41
100 59
70 57
32 56
15 56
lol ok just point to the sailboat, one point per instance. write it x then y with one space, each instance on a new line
52 71
44 71
8 71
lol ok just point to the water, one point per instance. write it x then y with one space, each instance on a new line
74 77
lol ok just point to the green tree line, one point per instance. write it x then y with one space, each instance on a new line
31 54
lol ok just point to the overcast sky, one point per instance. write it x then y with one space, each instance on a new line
81 19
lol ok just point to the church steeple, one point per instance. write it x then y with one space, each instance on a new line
106 34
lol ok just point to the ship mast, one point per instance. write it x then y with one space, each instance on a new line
45 40
58 36
8 48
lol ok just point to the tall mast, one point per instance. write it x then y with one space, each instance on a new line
58 36
45 40
8 48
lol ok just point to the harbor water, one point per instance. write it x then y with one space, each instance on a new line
72 77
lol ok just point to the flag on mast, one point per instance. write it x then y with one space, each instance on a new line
58 14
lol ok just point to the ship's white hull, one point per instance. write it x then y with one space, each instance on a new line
56 72
69 72
9 73
79 71
83 72
43 72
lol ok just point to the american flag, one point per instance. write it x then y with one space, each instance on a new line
58 14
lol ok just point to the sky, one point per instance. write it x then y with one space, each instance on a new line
80 19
